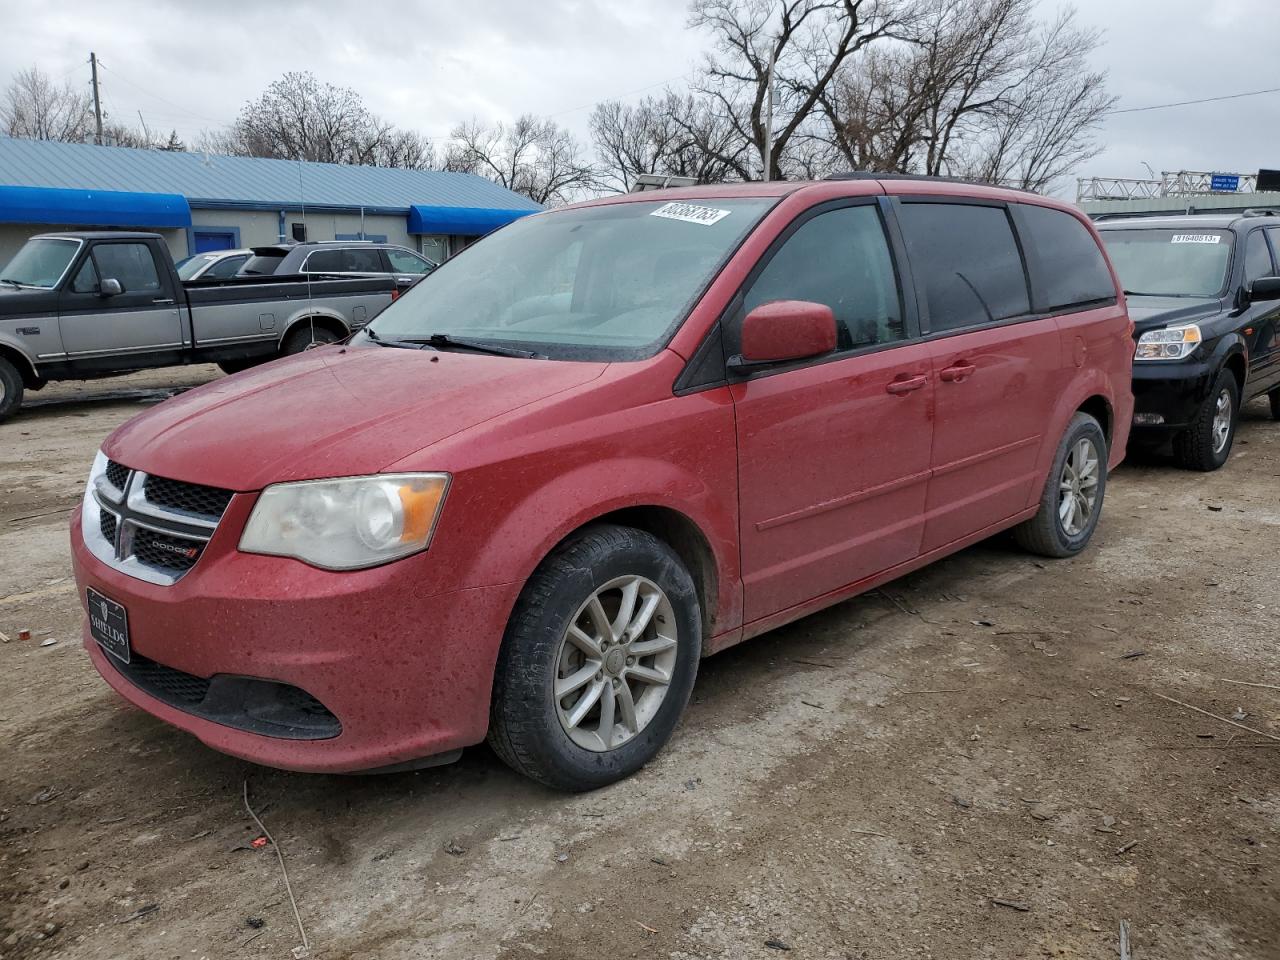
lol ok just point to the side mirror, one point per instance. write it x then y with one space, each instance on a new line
110 287
1264 288
786 330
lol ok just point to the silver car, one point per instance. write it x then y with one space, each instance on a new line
212 265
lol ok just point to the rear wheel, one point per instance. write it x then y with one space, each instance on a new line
1072 497
304 337
598 660
10 389
1206 444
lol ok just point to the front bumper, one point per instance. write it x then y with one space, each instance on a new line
406 675
1171 391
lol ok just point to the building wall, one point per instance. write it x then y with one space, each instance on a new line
14 235
257 227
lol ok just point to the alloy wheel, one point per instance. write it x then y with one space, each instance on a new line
1222 416
615 663
1078 487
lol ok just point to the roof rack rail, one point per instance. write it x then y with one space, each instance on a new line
1260 212
872 175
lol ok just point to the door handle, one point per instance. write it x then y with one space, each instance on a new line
906 385
956 372
163 300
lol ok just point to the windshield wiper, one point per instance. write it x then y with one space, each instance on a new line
382 342
16 284
445 341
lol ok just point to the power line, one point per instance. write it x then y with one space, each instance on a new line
1188 103
155 96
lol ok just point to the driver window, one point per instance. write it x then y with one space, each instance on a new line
86 279
840 258
1257 258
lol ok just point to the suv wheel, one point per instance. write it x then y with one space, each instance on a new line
304 337
598 660
1206 443
1072 498
10 389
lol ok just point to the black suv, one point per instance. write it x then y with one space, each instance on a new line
1202 293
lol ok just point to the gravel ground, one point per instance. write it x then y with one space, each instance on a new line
976 762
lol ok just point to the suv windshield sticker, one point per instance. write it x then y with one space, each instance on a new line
1195 238
690 213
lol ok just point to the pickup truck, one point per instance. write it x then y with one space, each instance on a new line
84 305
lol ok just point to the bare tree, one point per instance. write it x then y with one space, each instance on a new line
809 41
672 135
298 117
977 88
36 108
532 156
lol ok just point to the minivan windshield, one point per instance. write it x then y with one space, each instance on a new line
1170 262
40 263
610 282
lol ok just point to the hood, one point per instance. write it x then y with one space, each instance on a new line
330 413
1148 313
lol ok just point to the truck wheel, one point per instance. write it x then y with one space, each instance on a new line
1073 492
1206 444
10 389
597 661
1275 403
305 336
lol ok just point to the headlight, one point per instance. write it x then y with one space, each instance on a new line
347 524
1171 343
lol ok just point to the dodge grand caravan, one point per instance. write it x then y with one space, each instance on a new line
602 443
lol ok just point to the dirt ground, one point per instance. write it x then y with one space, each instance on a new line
974 763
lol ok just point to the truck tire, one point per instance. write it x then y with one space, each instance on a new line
597 661
304 336
1274 396
10 389
1073 493
1206 444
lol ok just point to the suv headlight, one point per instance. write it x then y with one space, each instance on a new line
347 524
1170 343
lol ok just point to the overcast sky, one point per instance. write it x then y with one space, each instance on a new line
427 65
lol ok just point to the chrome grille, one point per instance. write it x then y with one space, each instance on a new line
152 528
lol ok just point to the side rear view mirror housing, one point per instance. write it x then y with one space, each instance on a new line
110 287
1264 288
785 330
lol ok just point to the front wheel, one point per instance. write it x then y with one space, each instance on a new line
10 389
1206 444
598 660
1072 497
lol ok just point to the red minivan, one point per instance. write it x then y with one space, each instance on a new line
602 443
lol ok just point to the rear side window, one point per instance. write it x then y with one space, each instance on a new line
839 258
362 261
1066 266
1257 258
226 267
325 261
130 263
967 262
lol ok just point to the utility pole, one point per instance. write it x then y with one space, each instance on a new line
768 119
97 100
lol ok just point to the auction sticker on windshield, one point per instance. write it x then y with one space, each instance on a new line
1196 238
690 213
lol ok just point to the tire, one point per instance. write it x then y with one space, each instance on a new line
11 389
1048 533
532 731
1274 396
1203 445
304 336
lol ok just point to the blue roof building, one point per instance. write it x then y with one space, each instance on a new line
204 202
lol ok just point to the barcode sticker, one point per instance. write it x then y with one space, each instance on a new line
1196 238
690 213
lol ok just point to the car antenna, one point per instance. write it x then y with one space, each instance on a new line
302 200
